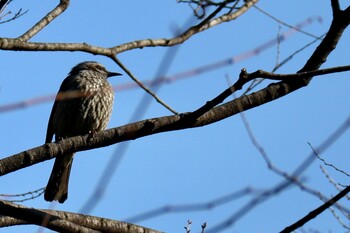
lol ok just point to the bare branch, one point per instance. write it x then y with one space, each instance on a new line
291 77
32 195
245 77
64 221
317 211
16 16
327 164
288 25
187 34
202 5
208 205
340 22
59 9
335 6
22 45
4 4
121 65
37 217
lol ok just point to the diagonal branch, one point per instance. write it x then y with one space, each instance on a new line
246 77
206 24
205 115
59 9
126 70
3 4
313 214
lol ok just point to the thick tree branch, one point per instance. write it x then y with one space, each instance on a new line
335 6
340 22
37 217
205 115
67 219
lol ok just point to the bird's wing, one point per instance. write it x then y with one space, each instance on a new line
64 87
49 132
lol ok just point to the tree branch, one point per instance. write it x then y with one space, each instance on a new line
59 9
291 77
3 5
335 6
205 115
20 45
68 218
138 82
38 217
187 34
317 211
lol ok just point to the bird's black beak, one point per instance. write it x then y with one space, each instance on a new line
110 74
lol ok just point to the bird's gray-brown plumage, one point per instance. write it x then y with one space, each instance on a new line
83 105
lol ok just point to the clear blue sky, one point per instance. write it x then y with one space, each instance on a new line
190 166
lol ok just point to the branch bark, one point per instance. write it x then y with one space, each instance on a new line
64 221
59 9
38 217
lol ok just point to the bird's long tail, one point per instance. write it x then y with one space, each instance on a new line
57 186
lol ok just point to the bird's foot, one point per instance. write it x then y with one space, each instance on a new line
92 134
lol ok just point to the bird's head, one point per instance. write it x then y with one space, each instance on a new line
93 66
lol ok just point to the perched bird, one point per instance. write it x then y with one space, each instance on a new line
83 105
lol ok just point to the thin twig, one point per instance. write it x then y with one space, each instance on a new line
208 205
16 16
188 226
257 82
289 77
126 70
286 24
337 217
204 225
325 163
33 194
